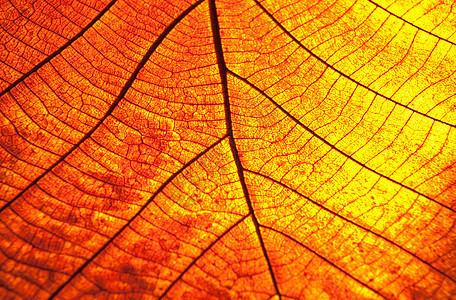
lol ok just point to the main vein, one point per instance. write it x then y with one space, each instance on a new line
229 126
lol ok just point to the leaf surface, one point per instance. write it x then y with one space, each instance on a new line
228 150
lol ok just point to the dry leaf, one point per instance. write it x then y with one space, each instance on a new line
228 149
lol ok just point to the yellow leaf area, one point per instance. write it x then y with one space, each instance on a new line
236 149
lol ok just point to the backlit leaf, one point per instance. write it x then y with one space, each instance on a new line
228 149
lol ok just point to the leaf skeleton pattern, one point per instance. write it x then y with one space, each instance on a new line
228 149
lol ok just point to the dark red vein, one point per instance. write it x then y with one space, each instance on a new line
340 72
326 260
138 213
334 147
58 51
229 126
201 255
122 93
405 21
353 223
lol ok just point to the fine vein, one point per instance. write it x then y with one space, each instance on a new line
58 51
343 74
334 147
201 255
352 223
325 259
122 93
138 213
405 21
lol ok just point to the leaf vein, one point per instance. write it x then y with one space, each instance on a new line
334 147
58 51
223 70
410 23
340 72
122 93
138 213
325 259
353 223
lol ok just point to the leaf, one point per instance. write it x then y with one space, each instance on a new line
228 149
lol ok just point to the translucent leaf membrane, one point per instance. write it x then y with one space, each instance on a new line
378 50
30 31
233 268
83 201
50 111
397 219
226 149
409 146
193 213
292 262
437 18
361 255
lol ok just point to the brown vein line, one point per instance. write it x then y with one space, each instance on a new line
326 260
122 93
334 147
343 74
405 21
353 223
195 260
229 125
58 51
138 213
